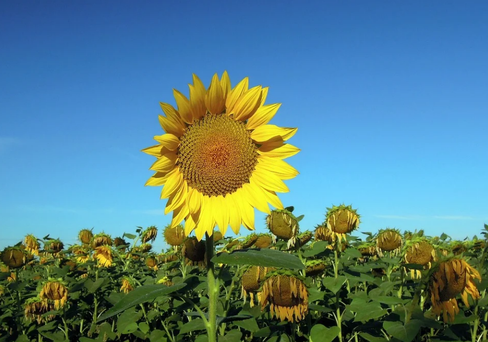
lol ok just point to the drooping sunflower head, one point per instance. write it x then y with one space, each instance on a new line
249 241
450 278
53 246
127 284
55 291
251 281
367 249
283 224
151 262
194 251
315 268
457 247
217 236
120 243
322 233
103 255
287 295
304 238
145 247
35 309
421 252
32 244
101 239
174 236
263 241
341 220
85 236
80 252
14 257
149 235
219 158
389 240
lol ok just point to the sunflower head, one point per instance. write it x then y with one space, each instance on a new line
450 278
341 220
217 236
389 240
31 244
85 236
315 268
149 235
53 246
145 247
35 308
81 253
263 241
304 238
251 281
368 249
283 224
14 257
322 233
287 295
151 262
174 236
219 158
127 284
120 243
457 247
249 241
421 252
55 291
103 255
194 250
101 239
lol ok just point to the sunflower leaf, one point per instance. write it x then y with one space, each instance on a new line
259 257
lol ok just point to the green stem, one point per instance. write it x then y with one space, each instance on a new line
213 291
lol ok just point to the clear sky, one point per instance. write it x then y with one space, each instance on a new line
390 98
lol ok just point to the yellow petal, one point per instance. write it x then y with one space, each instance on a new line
174 117
214 99
158 179
169 126
197 103
254 196
279 167
282 152
194 201
269 181
235 94
264 95
178 215
170 141
234 211
165 163
189 225
273 199
248 104
183 105
222 214
153 150
263 115
173 184
177 199
267 132
247 212
225 84
205 221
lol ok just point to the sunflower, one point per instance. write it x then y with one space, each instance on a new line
452 277
263 241
219 159
101 239
287 296
53 246
152 262
149 234
251 281
31 244
315 268
389 240
283 224
36 308
194 251
103 255
56 291
174 236
420 252
14 257
249 241
127 285
85 236
341 220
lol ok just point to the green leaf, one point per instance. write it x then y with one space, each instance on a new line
158 336
140 295
259 257
405 333
369 311
231 336
334 284
372 338
248 324
127 322
321 333
93 286
316 248
387 300
144 327
193 325
129 236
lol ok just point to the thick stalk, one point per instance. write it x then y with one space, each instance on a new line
213 290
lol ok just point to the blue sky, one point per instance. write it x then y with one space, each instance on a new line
390 99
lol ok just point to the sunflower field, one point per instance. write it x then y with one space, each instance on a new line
323 284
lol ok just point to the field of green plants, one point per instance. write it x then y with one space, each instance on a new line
330 283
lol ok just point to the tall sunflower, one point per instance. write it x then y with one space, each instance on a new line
219 158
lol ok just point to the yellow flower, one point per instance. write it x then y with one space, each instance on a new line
219 158
14 257
389 240
149 234
104 256
251 281
36 308
31 244
287 296
419 252
452 277
127 285
85 236
174 236
101 239
341 220
55 291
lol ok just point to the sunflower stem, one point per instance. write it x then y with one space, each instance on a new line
213 290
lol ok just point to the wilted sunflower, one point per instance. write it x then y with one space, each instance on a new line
146 247
419 252
56 291
149 234
53 246
127 285
251 281
14 257
120 243
174 236
283 224
315 268
451 278
304 238
101 239
194 251
249 241
32 244
287 296
85 236
389 240
341 220
103 254
152 262
263 241
219 159
35 308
